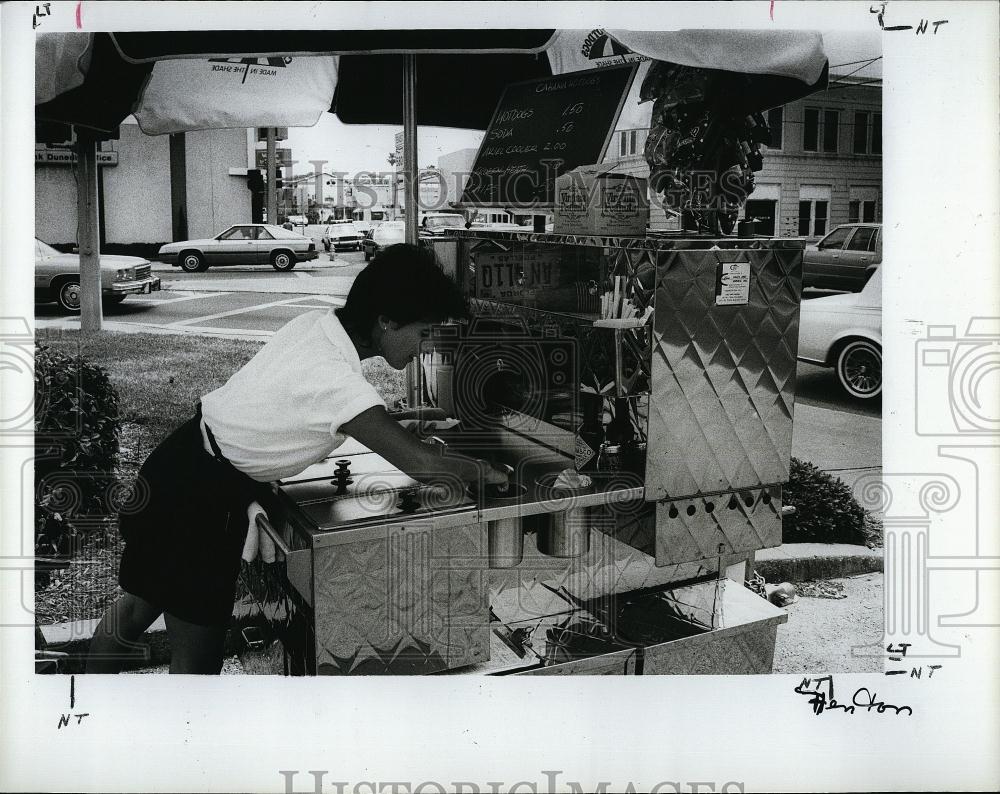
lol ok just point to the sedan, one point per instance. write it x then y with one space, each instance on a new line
342 236
244 244
382 236
844 259
57 277
845 332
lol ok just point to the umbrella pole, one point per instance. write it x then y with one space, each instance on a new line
410 187
88 233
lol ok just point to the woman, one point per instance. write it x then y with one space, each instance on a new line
290 406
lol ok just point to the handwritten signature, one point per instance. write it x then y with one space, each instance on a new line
822 698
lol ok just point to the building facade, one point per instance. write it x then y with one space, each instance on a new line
152 189
824 166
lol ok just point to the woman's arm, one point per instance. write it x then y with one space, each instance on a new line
383 436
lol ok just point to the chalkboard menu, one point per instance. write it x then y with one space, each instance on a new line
544 128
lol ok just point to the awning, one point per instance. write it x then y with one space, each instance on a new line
175 81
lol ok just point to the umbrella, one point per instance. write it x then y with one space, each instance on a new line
174 81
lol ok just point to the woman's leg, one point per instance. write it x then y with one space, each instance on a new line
194 648
115 639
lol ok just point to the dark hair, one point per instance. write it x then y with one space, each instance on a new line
405 284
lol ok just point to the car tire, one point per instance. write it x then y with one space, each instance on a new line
282 261
67 294
859 369
192 262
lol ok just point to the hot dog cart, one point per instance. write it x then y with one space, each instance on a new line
647 445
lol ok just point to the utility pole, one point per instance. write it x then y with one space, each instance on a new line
272 194
88 235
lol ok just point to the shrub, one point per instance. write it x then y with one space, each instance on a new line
825 509
76 448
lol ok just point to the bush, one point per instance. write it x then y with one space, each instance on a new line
76 448
825 509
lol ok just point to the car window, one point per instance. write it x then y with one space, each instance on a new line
836 238
863 239
236 233
876 241
262 233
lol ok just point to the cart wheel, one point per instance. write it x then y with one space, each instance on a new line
859 369
282 261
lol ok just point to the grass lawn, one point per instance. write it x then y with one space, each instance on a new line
159 378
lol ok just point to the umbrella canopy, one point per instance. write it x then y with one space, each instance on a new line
173 81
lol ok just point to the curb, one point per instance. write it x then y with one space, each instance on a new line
800 562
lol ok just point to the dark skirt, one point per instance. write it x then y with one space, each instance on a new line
184 541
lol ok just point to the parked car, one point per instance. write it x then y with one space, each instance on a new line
441 222
845 332
385 234
342 236
844 259
57 277
244 244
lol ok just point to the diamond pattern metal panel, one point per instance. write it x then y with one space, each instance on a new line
705 527
411 602
723 377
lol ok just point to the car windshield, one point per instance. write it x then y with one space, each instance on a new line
445 221
44 250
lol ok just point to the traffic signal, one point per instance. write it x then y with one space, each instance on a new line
255 180
279 183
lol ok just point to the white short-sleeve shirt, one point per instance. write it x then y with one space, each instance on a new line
283 410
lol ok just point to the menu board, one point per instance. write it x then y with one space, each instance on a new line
543 128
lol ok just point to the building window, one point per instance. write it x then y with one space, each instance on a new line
627 142
861 118
820 130
877 133
812 218
775 119
810 135
861 212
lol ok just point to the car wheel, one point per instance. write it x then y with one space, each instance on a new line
282 261
859 369
67 294
193 262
